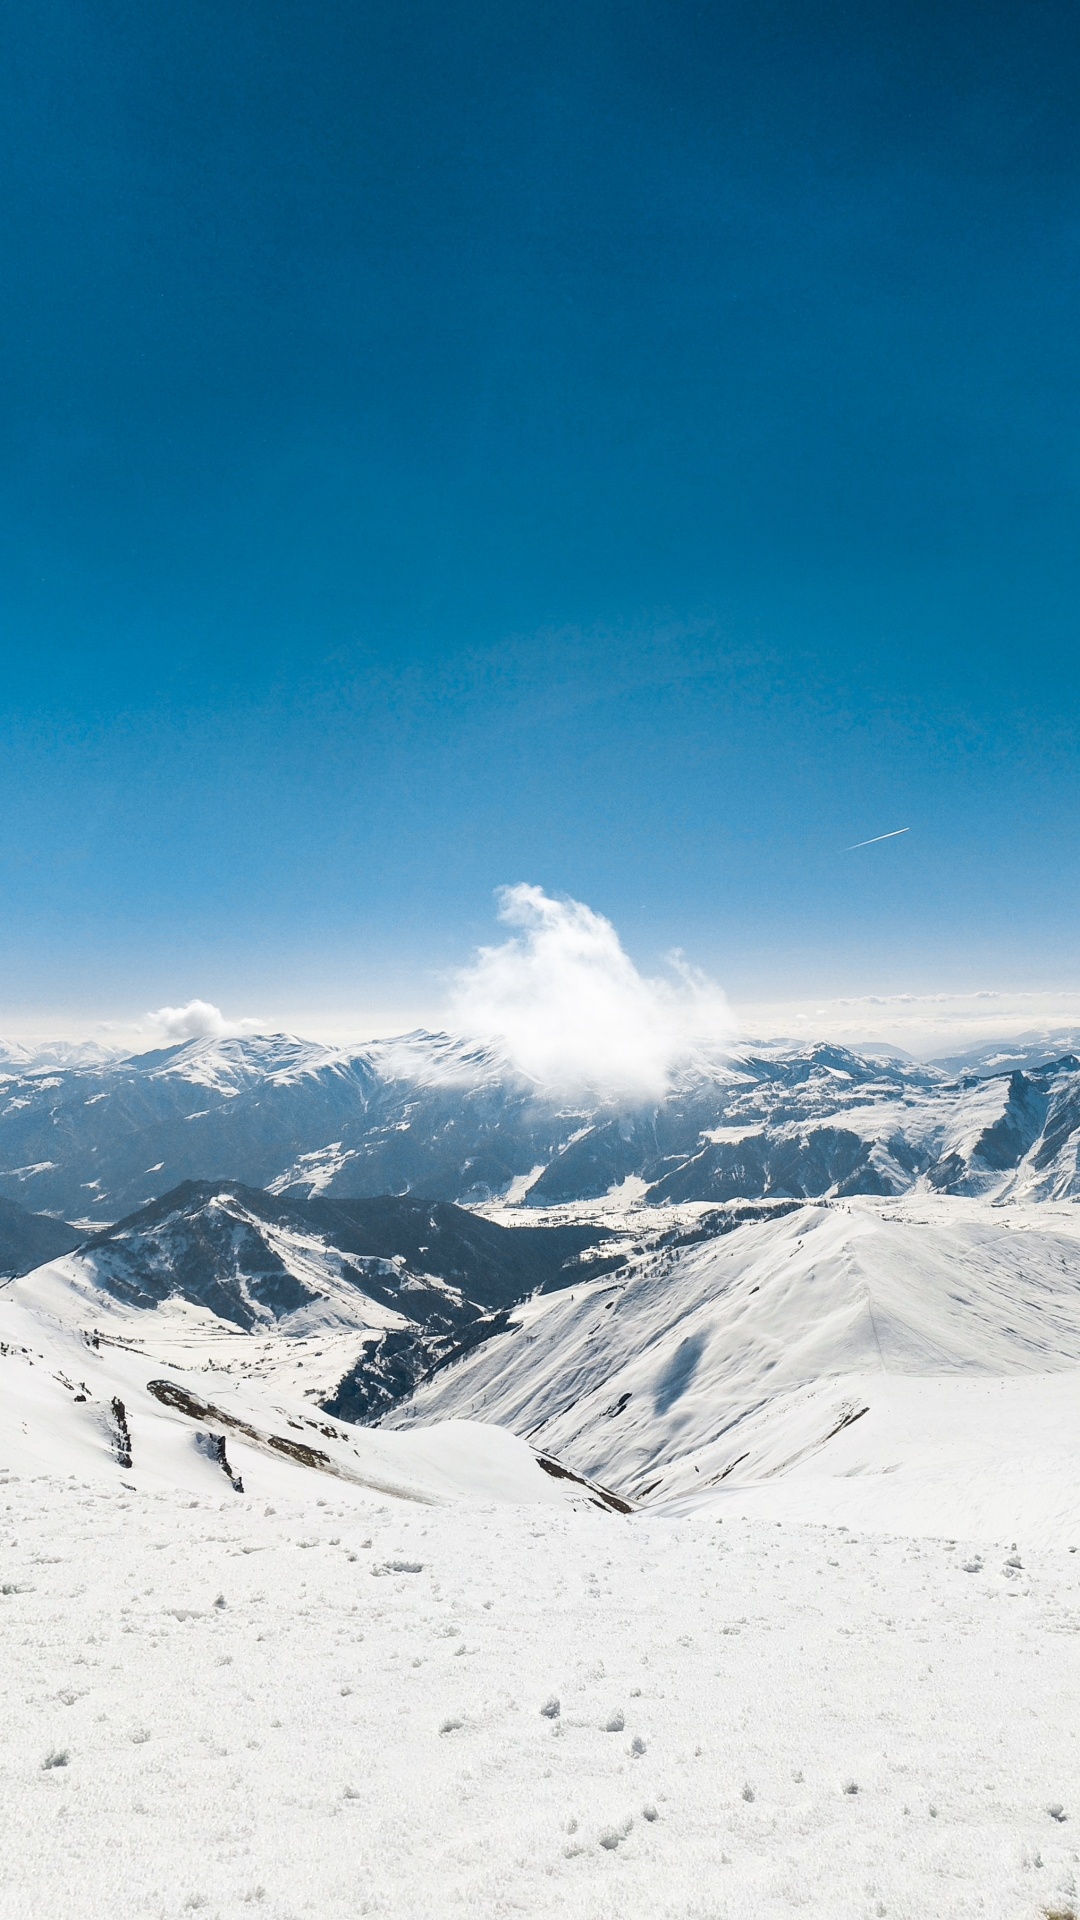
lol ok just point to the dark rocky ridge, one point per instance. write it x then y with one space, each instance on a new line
27 1240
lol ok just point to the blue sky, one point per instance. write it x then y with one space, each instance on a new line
628 448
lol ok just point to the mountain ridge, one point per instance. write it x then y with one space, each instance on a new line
441 1119
379 1291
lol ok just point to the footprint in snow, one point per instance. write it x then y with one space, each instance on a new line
611 1837
615 1722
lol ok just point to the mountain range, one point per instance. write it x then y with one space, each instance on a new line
801 1261
367 1296
436 1119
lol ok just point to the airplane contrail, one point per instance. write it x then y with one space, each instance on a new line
894 835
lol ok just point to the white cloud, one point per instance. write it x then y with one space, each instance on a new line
572 1010
198 1020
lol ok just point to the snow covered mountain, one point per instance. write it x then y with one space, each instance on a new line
21 1054
807 1359
901 1364
1039 1047
432 1117
93 1389
363 1297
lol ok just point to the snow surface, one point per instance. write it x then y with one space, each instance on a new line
410 1673
238 1705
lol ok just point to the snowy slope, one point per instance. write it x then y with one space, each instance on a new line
94 1388
840 1341
355 1705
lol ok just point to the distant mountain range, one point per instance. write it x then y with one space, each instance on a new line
56 1053
435 1119
1038 1048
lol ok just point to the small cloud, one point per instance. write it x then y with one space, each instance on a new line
198 1020
570 1007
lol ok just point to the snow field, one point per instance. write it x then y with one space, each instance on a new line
950 1454
252 1707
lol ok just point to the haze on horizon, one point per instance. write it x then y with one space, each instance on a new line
629 454
562 999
